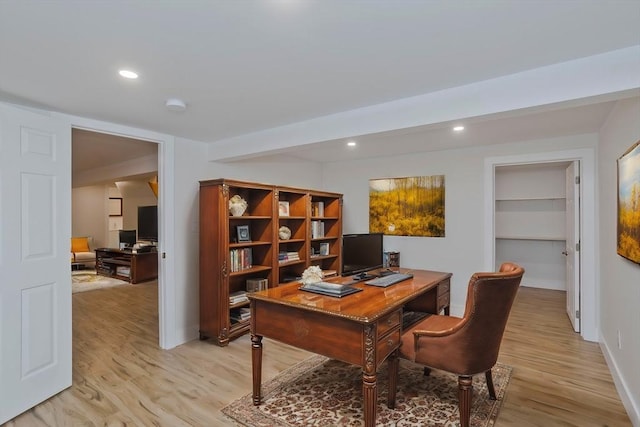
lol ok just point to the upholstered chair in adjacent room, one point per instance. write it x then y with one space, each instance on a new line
81 251
469 345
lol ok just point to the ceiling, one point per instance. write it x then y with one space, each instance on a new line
249 66
92 150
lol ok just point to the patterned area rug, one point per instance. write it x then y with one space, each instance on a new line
325 392
88 280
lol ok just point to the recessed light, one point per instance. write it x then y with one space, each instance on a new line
128 74
351 144
458 128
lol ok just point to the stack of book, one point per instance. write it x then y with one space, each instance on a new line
254 285
240 314
329 273
288 256
241 259
238 297
123 271
317 208
317 229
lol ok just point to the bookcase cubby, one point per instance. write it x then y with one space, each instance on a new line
234 249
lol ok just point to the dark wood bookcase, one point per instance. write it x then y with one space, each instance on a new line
228 259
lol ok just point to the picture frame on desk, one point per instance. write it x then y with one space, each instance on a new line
243 233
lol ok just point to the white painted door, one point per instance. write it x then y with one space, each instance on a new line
35 228
572 251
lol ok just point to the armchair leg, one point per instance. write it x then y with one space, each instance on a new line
426 371
490 388
465 392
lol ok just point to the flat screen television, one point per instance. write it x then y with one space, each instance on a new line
127 238
361 253
148 223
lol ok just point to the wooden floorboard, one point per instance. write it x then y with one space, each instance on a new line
121 377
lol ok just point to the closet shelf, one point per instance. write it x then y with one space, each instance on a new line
514 237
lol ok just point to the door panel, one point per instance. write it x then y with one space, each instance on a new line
573 240
35 228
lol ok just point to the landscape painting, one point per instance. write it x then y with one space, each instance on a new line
407 206
629 204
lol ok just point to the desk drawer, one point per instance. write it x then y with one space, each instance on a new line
443 287
443 301
387 344
388 322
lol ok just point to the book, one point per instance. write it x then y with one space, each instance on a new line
317 229
317 209
329 273
238 297
240 259
254 285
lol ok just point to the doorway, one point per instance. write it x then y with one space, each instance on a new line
533 205
168 337
587 269
107 168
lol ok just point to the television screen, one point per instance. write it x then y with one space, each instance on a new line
127 238
148 223
361 253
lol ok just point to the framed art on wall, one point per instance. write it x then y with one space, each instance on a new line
115 206
412 206
629 204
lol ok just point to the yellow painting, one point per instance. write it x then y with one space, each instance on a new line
629 204
407 206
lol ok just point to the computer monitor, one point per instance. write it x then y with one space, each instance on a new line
148 223
127 238
361 253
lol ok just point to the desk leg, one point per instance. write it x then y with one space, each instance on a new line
393 379
370 397
256 362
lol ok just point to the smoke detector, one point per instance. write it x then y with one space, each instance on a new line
175 104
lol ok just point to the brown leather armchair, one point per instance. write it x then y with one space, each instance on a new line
464 346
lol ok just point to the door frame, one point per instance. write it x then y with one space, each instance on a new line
166 242
589 268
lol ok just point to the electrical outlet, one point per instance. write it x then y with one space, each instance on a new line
619 340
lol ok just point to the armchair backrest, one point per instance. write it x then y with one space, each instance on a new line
489 300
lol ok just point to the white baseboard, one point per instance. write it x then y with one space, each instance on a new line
632 407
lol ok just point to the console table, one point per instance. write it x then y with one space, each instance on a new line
129 265
363 329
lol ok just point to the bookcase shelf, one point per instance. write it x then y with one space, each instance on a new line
268 209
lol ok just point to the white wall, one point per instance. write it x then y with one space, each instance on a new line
190 169
619 278
89 213
134 193
461 250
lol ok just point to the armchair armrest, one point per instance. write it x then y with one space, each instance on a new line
437 326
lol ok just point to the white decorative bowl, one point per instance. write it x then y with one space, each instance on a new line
284 233
237 209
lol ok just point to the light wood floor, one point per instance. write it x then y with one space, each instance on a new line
121 377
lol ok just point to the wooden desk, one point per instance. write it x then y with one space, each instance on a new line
362 328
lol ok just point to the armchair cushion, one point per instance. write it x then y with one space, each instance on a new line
80 244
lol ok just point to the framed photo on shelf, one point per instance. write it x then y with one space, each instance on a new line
283 208
324 249
243 233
